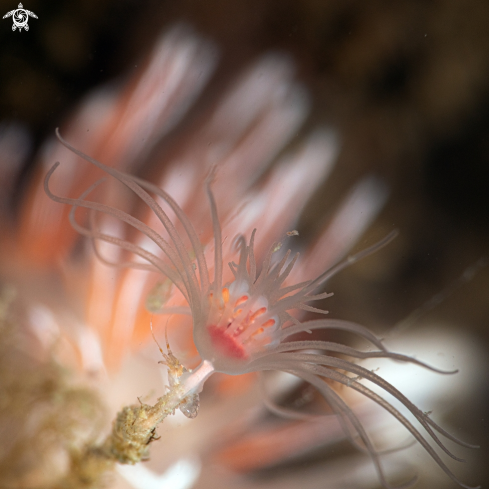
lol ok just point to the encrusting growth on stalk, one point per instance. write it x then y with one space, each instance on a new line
245 325
133 430
65 418
135 426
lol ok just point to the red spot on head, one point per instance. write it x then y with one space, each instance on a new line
230 346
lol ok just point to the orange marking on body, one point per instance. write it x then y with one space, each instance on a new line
237 313
240 301
257 332
268 323
260 311
225 295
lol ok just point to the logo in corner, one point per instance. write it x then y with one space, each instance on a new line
20 16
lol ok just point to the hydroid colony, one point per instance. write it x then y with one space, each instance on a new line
209 258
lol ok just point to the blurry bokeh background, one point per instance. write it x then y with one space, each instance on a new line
405 84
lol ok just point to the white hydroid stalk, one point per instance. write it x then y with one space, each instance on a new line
193 381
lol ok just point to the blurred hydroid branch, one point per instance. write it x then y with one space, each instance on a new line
48 418
119 125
